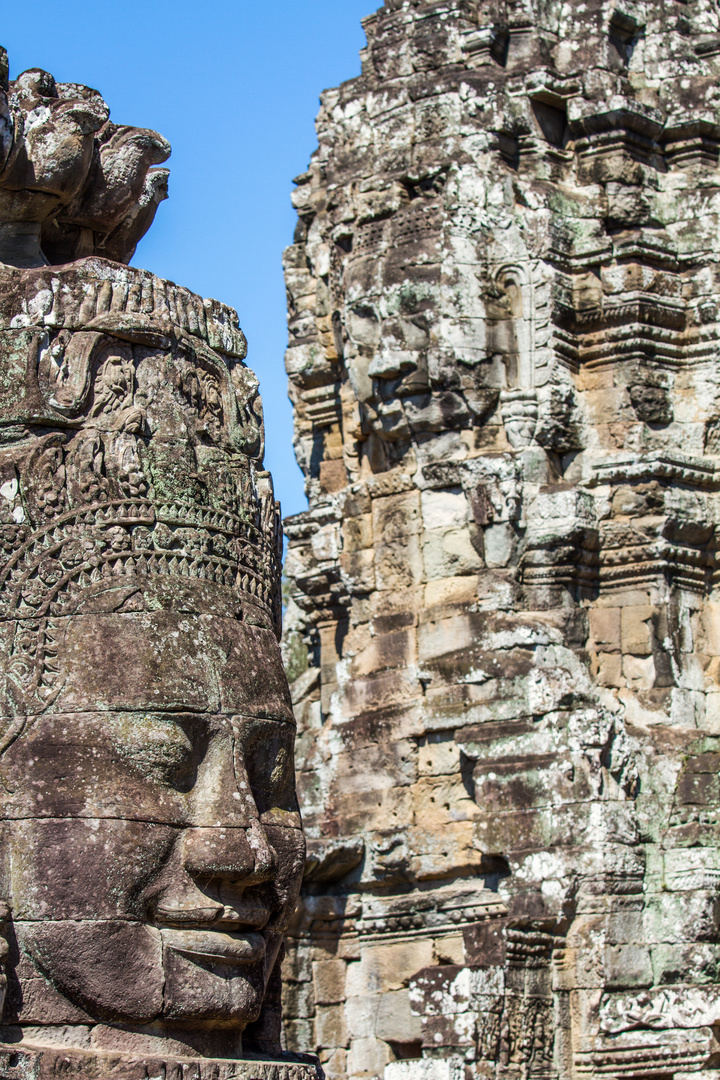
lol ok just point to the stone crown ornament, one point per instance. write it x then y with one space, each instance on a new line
150 842
71 182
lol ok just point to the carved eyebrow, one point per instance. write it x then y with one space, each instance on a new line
170 719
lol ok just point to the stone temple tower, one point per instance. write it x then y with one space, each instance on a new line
504 632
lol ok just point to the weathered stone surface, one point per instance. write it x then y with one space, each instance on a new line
503 621
151 849
72 183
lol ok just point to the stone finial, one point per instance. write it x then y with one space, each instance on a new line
72 183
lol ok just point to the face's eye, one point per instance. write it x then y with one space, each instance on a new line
160 749
265 752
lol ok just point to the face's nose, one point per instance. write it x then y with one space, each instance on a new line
226 840
223 850
239 854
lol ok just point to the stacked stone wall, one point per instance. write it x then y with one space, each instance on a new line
503 631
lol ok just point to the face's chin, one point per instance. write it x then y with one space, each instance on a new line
132 973
217 979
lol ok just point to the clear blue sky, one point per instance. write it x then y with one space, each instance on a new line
234 86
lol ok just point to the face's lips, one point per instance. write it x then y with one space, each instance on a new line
216 946
241 916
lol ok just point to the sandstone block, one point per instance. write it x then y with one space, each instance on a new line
610 669
450 949
450 1033
334 1063
625 927
395 1022
438 756
381 690
452 1068
436 853
444 510
361 1015
450 591
299 1034
711 627
358 569
711 720
368 1057
605 628
499 544
394 650
299 1000
385 968
333 475
688 708
627 966
375 810
446 636
637 633
449 552
357 532
639 671
697 963
377 768
329 981
330 1028
441 800
398 563
395 517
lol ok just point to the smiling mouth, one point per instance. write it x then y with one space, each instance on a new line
212 945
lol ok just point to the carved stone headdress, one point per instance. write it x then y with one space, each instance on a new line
130 430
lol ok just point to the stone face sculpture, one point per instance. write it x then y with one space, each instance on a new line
503 628
150 843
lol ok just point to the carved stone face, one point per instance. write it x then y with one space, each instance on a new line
410 380
151 845
154 853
